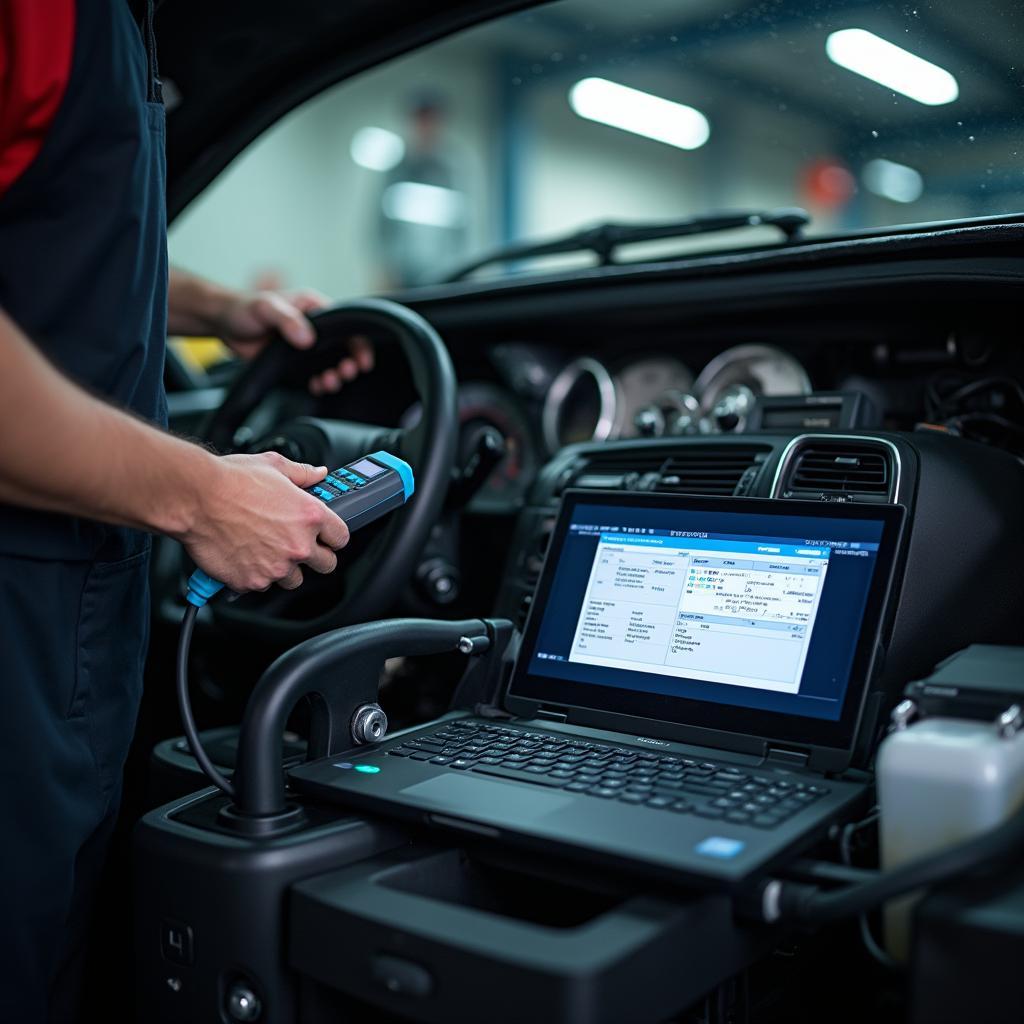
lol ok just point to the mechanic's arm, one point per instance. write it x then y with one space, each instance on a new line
243 518
245 320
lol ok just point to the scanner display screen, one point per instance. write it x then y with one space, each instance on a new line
678 600
367 469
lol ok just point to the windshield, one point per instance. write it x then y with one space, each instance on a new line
575 113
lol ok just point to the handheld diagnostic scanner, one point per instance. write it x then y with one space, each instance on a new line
359 493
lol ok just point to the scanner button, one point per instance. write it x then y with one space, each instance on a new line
176 942
401 976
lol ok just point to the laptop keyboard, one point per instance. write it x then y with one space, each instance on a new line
680 785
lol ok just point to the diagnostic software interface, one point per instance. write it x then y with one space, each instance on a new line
758 610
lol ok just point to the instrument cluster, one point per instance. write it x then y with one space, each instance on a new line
655 396
541 403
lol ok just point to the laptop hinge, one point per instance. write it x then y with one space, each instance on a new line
787 756
550 715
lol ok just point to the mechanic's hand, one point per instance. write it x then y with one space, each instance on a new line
255 525
248 320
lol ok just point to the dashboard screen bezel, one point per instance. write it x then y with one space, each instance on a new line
829 744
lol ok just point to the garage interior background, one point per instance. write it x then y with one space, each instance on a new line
786 125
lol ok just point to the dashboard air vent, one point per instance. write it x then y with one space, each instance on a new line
860 470
712 469
615 469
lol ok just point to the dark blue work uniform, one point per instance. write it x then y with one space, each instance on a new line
83 271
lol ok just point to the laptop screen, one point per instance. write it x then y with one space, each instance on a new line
739 614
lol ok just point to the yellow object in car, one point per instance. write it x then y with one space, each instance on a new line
200 353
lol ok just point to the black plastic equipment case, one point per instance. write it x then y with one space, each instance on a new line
981 681
348 919
967 951
211 907
333 917
439 934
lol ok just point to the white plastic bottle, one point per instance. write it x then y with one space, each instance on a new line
939 781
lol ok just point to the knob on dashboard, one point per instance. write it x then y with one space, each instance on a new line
242 1003
732 409
438 581
650 422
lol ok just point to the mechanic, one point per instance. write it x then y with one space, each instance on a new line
86 472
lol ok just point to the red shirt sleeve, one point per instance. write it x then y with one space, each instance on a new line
37 39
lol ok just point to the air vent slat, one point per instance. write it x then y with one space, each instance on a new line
848 468
712 469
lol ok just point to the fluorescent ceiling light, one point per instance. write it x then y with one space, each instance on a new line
419 203
890 180
890 65
377 149
609 103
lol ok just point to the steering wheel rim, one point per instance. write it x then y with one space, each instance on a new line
429 447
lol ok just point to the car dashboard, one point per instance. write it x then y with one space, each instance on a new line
887 376
543 396
894 398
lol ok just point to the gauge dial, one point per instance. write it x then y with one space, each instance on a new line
743 373
580 405
650 388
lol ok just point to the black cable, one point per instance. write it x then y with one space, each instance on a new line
988 418
185 706
809 905
942 405
871 944
984 384
823 872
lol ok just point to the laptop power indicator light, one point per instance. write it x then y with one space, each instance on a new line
720 847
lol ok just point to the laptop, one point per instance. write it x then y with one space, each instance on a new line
686 700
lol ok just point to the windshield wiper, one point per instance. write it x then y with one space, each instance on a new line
604 239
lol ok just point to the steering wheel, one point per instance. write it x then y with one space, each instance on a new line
365 587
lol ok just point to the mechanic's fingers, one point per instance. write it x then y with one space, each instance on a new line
292 581
333 531
277 312
329 381
308 299
359 360
322 560
362 352
300 473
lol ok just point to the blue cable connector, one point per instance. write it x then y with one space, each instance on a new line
201 588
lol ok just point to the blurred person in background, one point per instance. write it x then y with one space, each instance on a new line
423 210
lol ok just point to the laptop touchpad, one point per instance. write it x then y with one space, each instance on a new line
481 798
